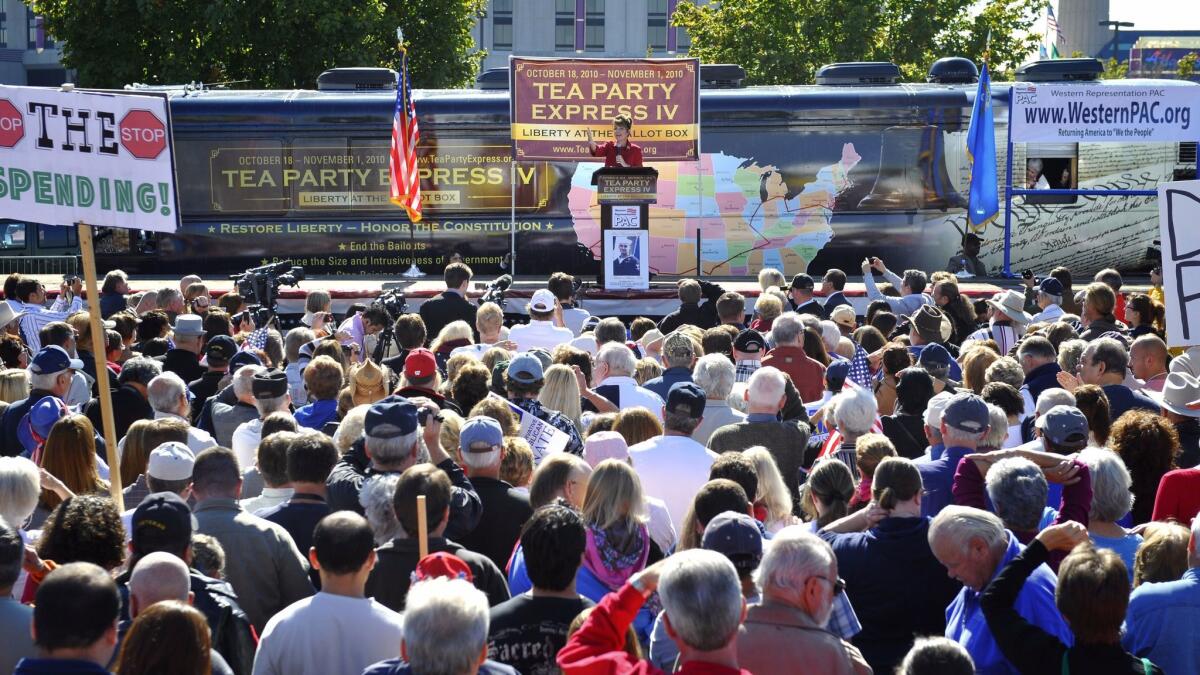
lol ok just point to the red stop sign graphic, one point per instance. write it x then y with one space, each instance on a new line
12 124
143 134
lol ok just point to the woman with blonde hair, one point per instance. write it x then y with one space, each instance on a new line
618 540
14 385
172 623
769 276
869 451
561 392
1163 555
647 369
974 367
637 424
773 497
766 309
70 456
452 336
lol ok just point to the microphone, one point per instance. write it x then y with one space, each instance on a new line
503 282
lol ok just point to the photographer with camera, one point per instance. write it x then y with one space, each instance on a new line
565 287
353 331
451 304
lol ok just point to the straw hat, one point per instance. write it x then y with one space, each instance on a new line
1012 304
367 383
1179 390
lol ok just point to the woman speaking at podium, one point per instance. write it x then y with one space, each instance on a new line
619 152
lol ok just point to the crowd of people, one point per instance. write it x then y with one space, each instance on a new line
935 486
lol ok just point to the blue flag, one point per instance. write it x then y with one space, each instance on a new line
983 203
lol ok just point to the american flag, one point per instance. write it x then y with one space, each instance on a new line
255 340
835 437
1052 24
406 184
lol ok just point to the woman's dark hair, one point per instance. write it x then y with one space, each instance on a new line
639 327
155 324
831 481
814 347
1059 332
738 468
958 308
1148 444
874 307
914 388
1093 593
167 637
1093 402
553 541
896 480
573 356
869 338
11 349
623 121
470 385
84 528
896 358
601 422
1150 312
1004 396
885 322
718 496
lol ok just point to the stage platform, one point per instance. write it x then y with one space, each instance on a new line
659 300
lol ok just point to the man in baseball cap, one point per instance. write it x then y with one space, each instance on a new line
217 353
964 423
800 296
1049 299
544 329
936 359
184 358
748 349
1064 429
505 509
270 391
678 355
51 373
523 382
422 379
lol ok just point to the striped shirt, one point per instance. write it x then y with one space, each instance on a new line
36 317
745 369
1005 334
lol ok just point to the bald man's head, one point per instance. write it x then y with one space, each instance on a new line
1148 357
158 576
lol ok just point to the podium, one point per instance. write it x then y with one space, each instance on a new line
625 196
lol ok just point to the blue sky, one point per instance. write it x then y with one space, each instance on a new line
1157 14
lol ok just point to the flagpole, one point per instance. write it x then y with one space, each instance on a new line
413 272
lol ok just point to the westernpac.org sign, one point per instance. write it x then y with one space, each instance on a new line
1056 113
100 159
554 102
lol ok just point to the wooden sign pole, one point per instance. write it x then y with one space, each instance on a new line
99 353
422 528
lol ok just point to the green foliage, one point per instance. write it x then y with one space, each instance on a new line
786 41
1114 70
265 43
1185 68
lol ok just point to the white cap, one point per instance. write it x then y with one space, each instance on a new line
933 411
542 301
585 342
171 461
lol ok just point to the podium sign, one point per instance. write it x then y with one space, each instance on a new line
625 196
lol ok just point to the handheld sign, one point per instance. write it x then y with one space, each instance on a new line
543 438
1179 213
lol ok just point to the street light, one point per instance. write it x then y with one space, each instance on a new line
1116 26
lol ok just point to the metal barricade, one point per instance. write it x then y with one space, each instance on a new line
41 264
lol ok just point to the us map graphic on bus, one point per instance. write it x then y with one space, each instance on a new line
741 208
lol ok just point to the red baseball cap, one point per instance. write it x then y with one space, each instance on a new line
442 565
420 363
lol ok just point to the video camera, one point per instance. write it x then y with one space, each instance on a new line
395 303
495 291
259 286
258 314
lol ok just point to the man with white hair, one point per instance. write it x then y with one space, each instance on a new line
393 441
702 605
129 402
505 509
933 424
715 374
1161 618
613 375
446 625
853 413
50 374
678 356
1039 362
227 417
798 577
965 421
787 333
162 577
765 397
168 396
270 391
1049 300
340 629
973 546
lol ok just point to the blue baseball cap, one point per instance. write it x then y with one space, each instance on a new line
837 371
934 355
243 359
1051 286
38 422
53 359
737 537
525 368
966 412
1065 426
391 417
687 394
480 430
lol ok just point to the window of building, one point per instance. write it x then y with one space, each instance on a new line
564 25
685 40
34 20
1050 166
57 236
502 24
12 235
3 30
595 26
656 24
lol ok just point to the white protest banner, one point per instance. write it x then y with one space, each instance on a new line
543 438
1178 216
71 157
1056 113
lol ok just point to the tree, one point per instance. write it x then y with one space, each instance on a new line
1185 67
786 41
259 43
1114 70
